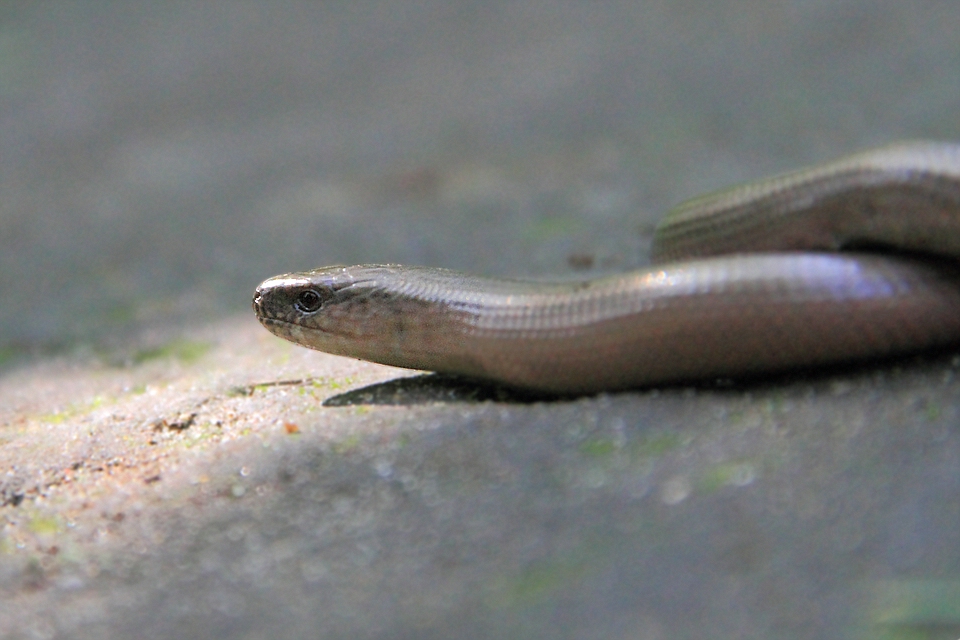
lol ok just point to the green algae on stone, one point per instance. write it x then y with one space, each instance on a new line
657 444
44 525
73 411
540 579
914 609
598 447
736 474
183 350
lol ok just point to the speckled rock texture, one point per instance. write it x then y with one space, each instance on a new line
169 469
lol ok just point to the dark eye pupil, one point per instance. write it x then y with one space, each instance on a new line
308 301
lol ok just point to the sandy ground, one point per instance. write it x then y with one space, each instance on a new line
169 469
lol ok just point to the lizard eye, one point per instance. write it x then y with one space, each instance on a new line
308 301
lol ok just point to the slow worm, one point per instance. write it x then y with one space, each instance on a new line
839 262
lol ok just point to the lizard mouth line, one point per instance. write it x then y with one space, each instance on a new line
279 322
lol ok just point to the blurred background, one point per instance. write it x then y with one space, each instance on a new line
157 160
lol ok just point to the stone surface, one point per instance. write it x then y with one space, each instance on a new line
169 469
